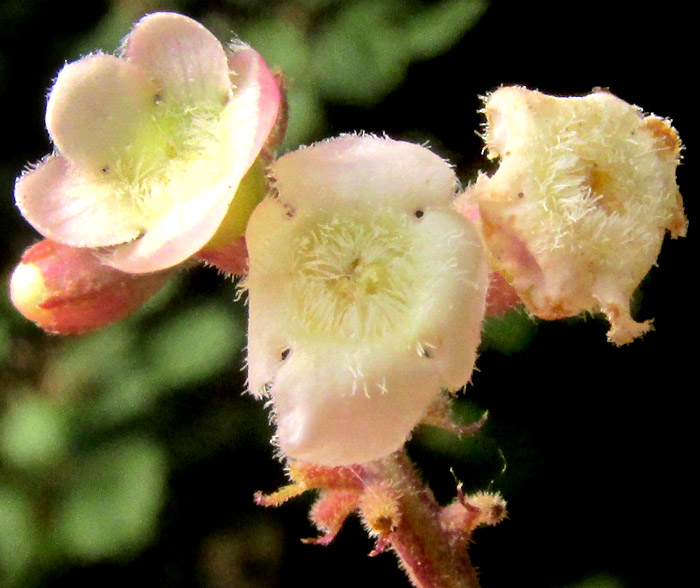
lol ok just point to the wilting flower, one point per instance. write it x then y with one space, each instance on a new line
67 290
366 292
577 211
151 145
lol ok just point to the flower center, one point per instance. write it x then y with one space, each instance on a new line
177 145
354 276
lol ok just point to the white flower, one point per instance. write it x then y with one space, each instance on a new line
152 145
366 293
575 215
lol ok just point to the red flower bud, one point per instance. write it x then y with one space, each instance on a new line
67 290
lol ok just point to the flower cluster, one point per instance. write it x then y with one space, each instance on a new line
366 277
368 274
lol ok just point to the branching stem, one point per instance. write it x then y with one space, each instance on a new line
431 555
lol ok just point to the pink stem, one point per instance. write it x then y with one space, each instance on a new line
431 556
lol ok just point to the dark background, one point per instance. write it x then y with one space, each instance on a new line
598 442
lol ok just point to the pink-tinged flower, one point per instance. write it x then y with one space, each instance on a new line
366 296
152 145
577 211
67 290
500 295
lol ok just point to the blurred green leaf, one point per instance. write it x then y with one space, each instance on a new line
318 4
281 43
124 398
363 52
602 580
112 506
91 361
508 334
33 432
194 345
307 118
5 339
359 56
434 30
17 534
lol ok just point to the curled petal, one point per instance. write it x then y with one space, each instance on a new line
177 233
97 109
185 60
254 84
62 205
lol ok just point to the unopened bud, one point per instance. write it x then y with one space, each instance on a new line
67 290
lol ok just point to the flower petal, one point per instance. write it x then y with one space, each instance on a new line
449 306
204 190
97 108
338 171
186 61
360 407
62 205
253 83
183 228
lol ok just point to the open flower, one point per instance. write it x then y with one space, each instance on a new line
366 292
576 213
151 145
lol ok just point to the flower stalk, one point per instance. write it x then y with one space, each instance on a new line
400 511
431 555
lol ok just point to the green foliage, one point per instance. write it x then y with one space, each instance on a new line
88 363
509 333
33 432
359 56
437 28
363 53
194 345
79 447
18 539
111 507
283 44
353 53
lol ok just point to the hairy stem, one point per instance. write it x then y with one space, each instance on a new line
431 555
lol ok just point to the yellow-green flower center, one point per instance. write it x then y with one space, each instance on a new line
179 147
354 276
